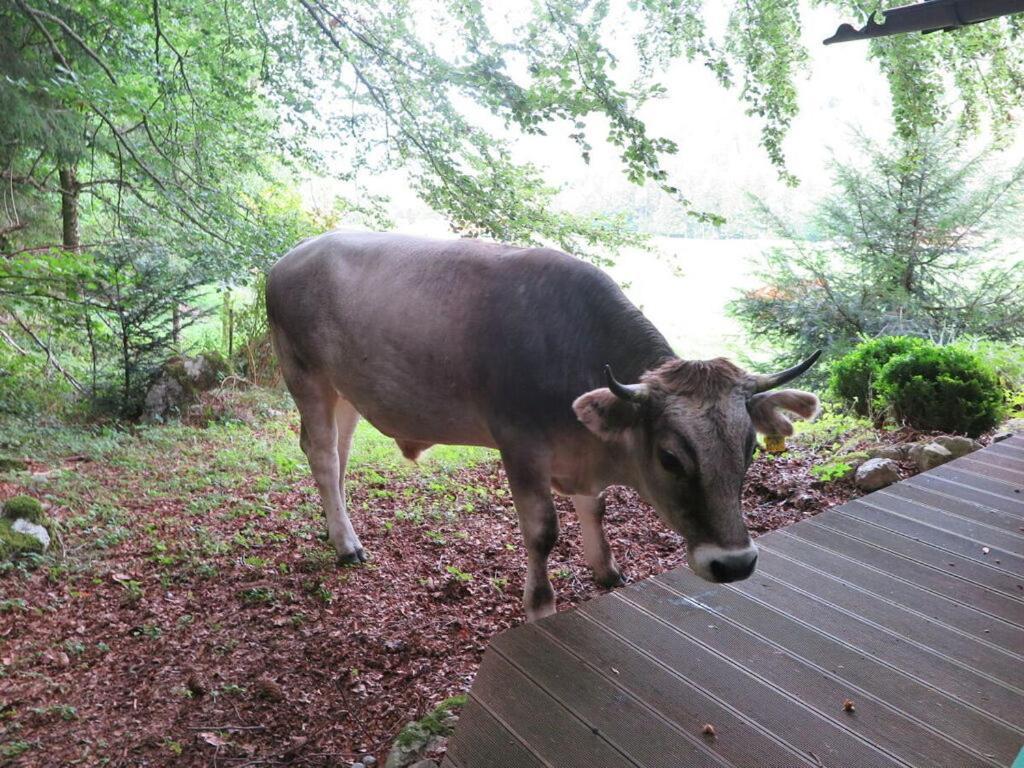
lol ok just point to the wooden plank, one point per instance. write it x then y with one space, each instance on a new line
485 743
745 690
1009 458
621 719
967 581
942 538
972 652
535 717
904 739
912 657
983 466
1010 507
861 673
1010 491
829 564
1006 448
981 535
674 697
958 507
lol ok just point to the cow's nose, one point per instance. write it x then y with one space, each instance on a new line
734 566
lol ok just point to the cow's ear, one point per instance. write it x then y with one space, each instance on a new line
766 410
605 414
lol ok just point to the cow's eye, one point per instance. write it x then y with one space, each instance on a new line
669 462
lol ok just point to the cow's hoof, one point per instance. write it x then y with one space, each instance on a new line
612 580
356 557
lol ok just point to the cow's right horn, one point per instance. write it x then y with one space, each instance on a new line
633 393
764 383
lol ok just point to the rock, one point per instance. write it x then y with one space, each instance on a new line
425 736
932 455
368 760
177 385
1001 436
11 464
876 473
956 445
36 531
893 452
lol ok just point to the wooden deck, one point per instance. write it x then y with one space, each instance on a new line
908 602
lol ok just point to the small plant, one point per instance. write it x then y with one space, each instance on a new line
436 537
833 470
853 376
132 590
947 389
459 574
257 595
10 605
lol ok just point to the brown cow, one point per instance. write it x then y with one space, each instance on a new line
475 343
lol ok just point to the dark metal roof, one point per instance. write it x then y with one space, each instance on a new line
907 603
929 16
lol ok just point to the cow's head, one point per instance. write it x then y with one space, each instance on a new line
688 428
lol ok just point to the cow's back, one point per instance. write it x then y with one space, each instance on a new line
442 341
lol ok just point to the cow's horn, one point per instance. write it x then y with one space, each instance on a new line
773 380
633 393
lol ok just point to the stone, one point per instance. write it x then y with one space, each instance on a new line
36 531
893 452
368 760
876 473
956 445
176 386
932 455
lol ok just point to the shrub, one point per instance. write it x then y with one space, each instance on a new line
948 389
854 374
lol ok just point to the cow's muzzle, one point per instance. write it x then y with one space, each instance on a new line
713 563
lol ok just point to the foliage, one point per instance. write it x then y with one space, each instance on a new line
164 134
852 377
948 389
24 507
1006 359
908 248
831 471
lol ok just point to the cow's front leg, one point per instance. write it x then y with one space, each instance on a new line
590 511
531 482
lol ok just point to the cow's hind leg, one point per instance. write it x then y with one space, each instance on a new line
590 511
327 425
531 491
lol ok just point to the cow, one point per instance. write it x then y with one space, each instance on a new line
524 350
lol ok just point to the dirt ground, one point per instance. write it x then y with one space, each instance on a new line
213 627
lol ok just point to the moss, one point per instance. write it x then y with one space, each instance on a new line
25 507
13 543
11 464
435 723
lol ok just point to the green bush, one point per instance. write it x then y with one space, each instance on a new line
948 389
1006 359
854 375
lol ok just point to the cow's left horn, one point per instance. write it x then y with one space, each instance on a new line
773 380
633 393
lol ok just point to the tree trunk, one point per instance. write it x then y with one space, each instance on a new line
69 208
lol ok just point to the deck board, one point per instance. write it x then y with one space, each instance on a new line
891 601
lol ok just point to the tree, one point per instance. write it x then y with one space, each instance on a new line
908 243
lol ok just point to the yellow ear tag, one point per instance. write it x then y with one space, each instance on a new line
775 443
